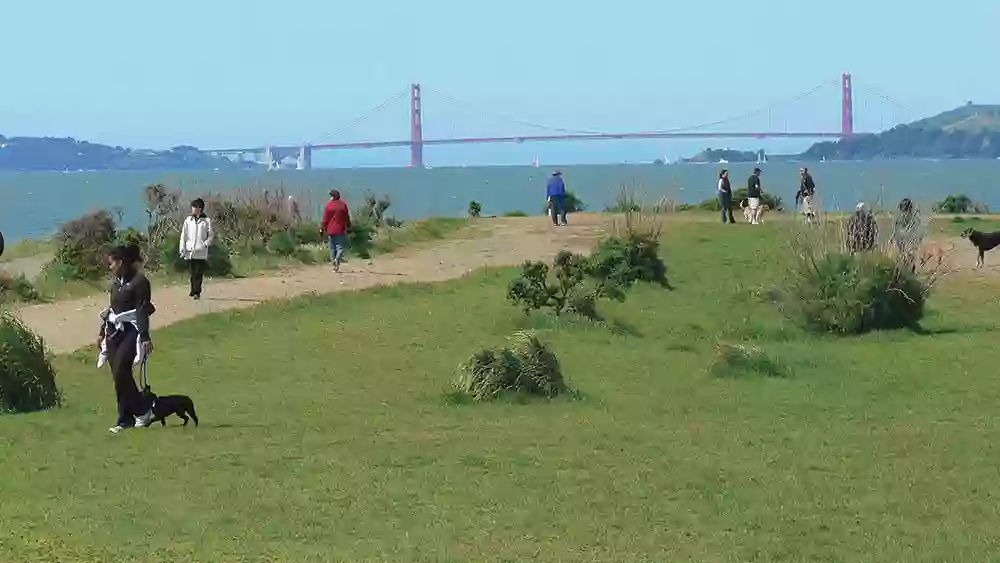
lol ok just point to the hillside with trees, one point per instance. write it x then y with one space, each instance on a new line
67 154
970 131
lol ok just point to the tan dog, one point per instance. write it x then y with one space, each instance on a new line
747 213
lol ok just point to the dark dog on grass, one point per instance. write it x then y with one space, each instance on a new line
164 406
983 242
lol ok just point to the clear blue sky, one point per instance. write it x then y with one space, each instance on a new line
246 72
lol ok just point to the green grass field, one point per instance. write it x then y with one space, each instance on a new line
326 433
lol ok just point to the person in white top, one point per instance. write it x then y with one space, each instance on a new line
196 237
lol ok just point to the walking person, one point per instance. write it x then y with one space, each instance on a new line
805 195
124 339
196 237
754 194
726 197
555 193
336 221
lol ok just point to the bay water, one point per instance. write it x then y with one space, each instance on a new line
33 204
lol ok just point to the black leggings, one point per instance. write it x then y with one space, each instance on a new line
197 275
121 354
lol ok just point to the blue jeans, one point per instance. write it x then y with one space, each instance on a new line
337 245
558 209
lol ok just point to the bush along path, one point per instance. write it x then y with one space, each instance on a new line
69 325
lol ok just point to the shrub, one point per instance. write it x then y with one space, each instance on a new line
308 233
772 201
283 244
82 244
372 210
573 204
960 204
517 213
360 237
559 288
631 253
219 261
475 209
27 378
16 288
525 366
855 293
736 360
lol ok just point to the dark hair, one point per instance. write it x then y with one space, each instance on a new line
756 170
906 205
127 253
335 194
722 173
198 203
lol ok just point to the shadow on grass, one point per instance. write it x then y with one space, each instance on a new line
569 321
459 398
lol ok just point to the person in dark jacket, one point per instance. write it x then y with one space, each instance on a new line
124 338
335 223
726 197
555 193
805 195
754 194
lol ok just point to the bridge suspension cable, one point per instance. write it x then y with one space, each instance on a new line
363 117
502 117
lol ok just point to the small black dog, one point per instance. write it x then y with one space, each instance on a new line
983 242
164 406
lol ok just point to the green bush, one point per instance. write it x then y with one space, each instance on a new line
960 204
360 237
559 288
82 245
773 202
282 244
624 259
517 213
219 260
27 378
853 294
16 288
475 209
573 204
308 233
525 366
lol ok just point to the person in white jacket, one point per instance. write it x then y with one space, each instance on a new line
196 237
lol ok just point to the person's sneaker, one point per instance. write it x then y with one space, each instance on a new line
336 266
116 429
143 421
196 297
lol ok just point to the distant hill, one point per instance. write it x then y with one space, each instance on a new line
727 155
970 131
62 154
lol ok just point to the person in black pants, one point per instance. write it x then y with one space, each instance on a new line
726 197
124 336
196 238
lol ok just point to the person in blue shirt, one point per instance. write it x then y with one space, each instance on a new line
555 192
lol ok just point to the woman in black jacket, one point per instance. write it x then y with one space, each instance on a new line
124 337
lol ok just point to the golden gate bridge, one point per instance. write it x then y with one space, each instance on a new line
273 155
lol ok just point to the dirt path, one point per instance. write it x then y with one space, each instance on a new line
69 325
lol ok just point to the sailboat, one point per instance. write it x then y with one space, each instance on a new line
535 163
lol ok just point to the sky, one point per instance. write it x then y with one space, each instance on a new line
225 73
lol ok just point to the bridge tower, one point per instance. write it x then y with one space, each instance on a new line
846 106
416 128
304 160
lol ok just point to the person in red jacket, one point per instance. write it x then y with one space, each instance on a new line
336 221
